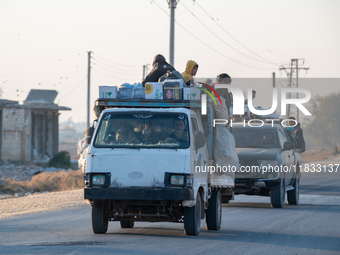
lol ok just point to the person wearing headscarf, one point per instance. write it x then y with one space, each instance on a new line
190 72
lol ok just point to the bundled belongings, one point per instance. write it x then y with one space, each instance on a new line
129 91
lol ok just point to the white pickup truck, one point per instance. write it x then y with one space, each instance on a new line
141 165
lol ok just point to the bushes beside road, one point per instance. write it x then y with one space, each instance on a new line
46 181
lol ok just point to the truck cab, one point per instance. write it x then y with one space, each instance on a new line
141 165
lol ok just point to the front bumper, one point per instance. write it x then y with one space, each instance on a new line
139 193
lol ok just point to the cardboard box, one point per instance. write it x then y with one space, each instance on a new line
154 90
191 94
108 92
174 83
173 93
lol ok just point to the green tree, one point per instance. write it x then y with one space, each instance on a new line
324 129
60 160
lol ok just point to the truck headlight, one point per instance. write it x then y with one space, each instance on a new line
177 180
98 179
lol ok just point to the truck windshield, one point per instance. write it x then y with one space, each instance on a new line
143 129
256 138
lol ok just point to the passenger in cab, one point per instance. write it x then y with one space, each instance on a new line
179 135
160 67
190 72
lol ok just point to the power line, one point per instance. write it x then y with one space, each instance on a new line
291 71
233 36
109 75
114 68
73 88
223 40
213 48
110 70
114 62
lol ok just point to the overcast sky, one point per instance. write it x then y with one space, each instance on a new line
44 44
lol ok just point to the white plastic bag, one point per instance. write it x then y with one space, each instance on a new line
128 91
221 111
224 150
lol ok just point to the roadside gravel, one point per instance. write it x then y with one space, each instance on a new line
43 202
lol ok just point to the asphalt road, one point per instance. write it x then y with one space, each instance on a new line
323 180
249 226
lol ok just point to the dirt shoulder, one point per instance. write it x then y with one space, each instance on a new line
319 155
44 202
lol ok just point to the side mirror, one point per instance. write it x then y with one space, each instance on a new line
199 139
88 134
288 146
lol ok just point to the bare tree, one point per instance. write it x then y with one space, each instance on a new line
324 129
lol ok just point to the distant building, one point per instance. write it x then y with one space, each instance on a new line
29 131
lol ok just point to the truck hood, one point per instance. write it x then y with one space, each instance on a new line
139 168
257 153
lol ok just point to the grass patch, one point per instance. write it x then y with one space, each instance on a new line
52 181
319 155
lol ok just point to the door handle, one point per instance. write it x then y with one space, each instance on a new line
288 156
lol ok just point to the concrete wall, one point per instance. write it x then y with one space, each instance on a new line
14 125
44 133
29 134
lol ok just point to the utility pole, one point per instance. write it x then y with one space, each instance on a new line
172 6
88 87
292 72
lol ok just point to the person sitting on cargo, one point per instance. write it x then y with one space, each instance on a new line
190 72
179 135
224 78
160 67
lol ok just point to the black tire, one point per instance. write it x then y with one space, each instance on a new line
277 195
214 212
192 218
126 224
293 196
99 218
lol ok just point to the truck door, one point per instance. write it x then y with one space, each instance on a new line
288 157
199 155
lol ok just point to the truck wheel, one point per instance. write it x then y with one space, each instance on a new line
214 212
192 218
277 195
126 224
293 195
99 218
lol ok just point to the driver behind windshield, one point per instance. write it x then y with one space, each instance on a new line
179 135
